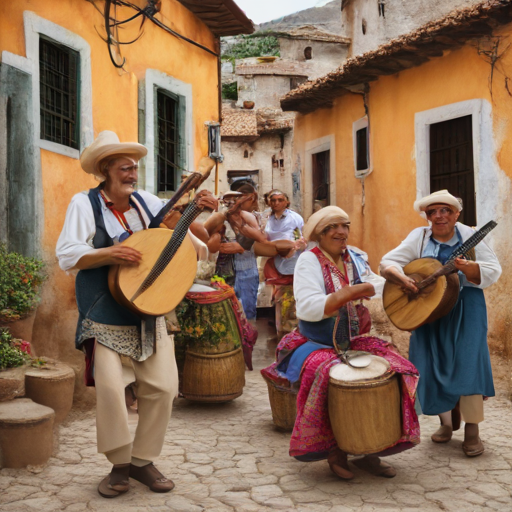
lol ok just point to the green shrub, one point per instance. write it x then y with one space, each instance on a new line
11 356
253 46
20 279
230 91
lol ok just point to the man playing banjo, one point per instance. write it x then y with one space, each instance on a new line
96 221
451 353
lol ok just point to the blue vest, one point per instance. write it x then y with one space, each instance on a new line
93 297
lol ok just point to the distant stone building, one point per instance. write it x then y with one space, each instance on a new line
256 135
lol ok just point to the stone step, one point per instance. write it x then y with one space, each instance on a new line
26 433
51 385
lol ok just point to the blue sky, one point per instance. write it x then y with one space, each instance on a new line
260 11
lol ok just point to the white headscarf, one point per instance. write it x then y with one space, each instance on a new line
321 219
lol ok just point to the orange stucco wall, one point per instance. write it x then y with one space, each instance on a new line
390 190
115 107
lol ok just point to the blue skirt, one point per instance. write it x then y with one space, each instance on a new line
452 355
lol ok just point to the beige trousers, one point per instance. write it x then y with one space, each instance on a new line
472 408
157 386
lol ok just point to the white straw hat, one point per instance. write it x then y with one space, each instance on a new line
439 197
107 144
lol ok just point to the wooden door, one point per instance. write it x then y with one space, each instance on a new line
321 179
451 163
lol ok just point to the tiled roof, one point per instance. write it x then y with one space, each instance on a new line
278 67
403 52
238 123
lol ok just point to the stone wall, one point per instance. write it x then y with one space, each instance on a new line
370 23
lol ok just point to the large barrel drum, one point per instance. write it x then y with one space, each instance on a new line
364 407
214 367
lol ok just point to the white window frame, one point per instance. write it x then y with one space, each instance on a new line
356 126
326 143
34 27
486 168
147 97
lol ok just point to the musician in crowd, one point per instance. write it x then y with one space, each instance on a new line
451 353
245 231
329 282
96 221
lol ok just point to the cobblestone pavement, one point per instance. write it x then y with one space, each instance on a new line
229 457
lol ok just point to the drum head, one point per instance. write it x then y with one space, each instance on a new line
200 288
344 373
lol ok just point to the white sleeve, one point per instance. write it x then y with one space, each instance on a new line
77 233
405 252
490 268
309 288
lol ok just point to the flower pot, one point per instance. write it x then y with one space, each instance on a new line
249 105
21 328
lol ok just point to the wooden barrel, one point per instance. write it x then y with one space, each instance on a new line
364 407
283 403
213 377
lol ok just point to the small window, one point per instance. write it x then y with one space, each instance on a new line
308 53
168 149
59 104
363 26
382 8
361 148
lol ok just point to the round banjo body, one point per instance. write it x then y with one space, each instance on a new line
409 311
169 288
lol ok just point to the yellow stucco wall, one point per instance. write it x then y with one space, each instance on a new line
390 190
114 96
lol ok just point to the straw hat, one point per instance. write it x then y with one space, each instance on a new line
439 197
107 144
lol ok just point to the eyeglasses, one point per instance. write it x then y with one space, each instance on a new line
441 211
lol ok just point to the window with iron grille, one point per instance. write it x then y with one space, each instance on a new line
59 105
169 152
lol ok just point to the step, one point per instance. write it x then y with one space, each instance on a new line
26 433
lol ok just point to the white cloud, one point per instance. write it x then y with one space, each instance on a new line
260 11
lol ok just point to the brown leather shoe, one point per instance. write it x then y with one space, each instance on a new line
150 476
338 463
442 435
373 465
116 482
473 447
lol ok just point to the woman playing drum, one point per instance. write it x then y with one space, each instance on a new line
328 280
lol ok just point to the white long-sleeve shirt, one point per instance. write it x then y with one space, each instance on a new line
413 247
309 286
79 227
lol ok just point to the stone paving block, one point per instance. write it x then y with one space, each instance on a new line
182 504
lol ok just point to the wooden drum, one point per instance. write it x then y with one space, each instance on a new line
364 407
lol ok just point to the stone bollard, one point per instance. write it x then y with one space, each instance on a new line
51 385
26 433
12 383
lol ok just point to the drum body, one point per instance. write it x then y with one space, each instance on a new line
208 350
364 407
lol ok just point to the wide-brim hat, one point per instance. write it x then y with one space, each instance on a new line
107 144
439 197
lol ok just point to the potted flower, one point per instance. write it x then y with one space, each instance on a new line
14 355
20 280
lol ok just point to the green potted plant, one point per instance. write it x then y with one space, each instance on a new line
20 280
14 356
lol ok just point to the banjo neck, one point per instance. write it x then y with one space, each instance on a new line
449 267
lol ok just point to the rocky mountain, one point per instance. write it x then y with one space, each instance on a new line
325 16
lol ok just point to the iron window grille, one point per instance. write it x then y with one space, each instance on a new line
169 150
59 95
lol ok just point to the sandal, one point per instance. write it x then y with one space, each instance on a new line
442 435
473 448
337 461
115 483
375 466
150 476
